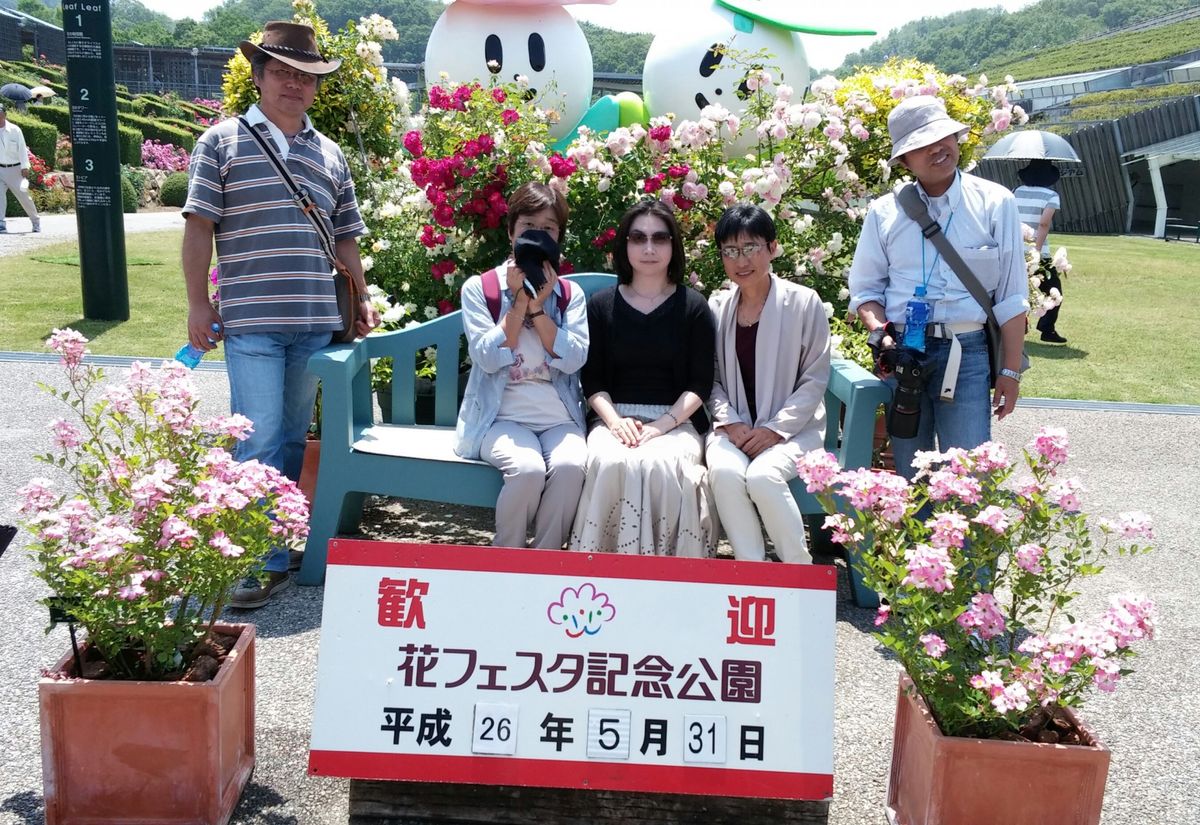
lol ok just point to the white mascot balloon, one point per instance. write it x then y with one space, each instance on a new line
684 73
477 39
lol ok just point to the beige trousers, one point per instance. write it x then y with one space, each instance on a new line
11 179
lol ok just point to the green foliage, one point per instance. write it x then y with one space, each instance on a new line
38 9
41 138
153 129
1122 102
129 198
1111 52
52 200
129 141
614 51
174 189
57 116
980 39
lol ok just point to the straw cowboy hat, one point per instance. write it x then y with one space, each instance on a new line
292 43
919 121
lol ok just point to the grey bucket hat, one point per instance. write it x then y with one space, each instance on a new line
919 121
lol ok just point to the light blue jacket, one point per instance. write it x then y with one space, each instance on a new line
490 359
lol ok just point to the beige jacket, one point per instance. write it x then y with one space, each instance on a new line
791 364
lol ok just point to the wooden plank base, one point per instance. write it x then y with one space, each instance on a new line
412 803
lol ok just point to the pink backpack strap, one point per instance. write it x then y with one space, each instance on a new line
564 298
491 293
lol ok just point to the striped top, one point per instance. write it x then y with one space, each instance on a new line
273 275
1031 200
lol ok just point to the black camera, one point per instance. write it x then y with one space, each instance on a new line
907 365
533 247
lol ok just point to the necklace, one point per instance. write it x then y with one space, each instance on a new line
655 298
750 318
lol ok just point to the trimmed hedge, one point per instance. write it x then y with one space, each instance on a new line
162 132
129 198
40 137
57 116
174 189
130 142
189 125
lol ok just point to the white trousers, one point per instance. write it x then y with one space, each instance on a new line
11 178
747 490
543 477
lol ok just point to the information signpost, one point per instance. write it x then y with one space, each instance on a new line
87 25
572 670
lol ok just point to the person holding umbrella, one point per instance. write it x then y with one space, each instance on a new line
1037 202
16 94
14 170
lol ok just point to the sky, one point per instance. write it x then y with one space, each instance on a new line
655 15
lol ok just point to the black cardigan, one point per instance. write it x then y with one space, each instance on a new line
681 332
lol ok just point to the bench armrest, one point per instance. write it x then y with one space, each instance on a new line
344 371
860 394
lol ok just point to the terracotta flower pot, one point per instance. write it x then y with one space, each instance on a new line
162 752
308 471
947 780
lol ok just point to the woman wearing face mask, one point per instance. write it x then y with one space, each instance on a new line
522 410
649 372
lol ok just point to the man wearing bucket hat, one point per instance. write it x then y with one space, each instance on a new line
894 264
277 300
14 170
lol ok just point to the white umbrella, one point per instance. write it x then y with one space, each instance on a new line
41 92
1032 144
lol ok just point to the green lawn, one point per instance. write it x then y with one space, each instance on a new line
1131 336
1127 322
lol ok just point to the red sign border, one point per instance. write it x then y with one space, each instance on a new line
355 553
484 769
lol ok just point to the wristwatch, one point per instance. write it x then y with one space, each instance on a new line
1013 374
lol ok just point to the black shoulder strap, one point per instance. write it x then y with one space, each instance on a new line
302 199
910 201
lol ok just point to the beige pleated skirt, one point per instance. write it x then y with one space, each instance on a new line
651 500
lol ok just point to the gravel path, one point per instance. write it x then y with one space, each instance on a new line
1125 460
60 228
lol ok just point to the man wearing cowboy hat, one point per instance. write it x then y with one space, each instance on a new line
277 299
894 261
14 170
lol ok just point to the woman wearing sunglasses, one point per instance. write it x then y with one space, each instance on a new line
768 399
648 373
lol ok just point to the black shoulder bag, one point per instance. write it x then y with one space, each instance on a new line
910 201
344 288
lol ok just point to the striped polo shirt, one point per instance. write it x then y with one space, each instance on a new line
273 275
1031 200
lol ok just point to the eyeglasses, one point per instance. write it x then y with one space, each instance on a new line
638 238
746 249
299 78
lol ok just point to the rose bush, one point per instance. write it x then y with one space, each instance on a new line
977 570
162 522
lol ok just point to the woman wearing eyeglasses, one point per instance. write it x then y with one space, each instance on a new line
648 373
767 402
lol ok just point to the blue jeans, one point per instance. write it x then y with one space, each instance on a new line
269 383
964 422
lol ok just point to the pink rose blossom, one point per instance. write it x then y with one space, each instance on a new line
934 645
948 530
1066 495
882 614
66 434
993 518
818 469
1029 558
983 615
929 568
1051 444
1132 525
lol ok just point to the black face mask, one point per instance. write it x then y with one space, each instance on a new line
534 246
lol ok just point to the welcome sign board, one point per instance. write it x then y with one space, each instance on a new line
538 668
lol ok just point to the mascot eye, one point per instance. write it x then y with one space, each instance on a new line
537 52
493 54
711 60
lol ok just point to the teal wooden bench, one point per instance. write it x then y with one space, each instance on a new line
360 456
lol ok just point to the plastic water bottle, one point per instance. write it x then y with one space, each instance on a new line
916 316
189 355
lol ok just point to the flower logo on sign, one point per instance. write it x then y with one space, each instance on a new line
581 611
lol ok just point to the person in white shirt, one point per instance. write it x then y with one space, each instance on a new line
1037 202
893 260
14 171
